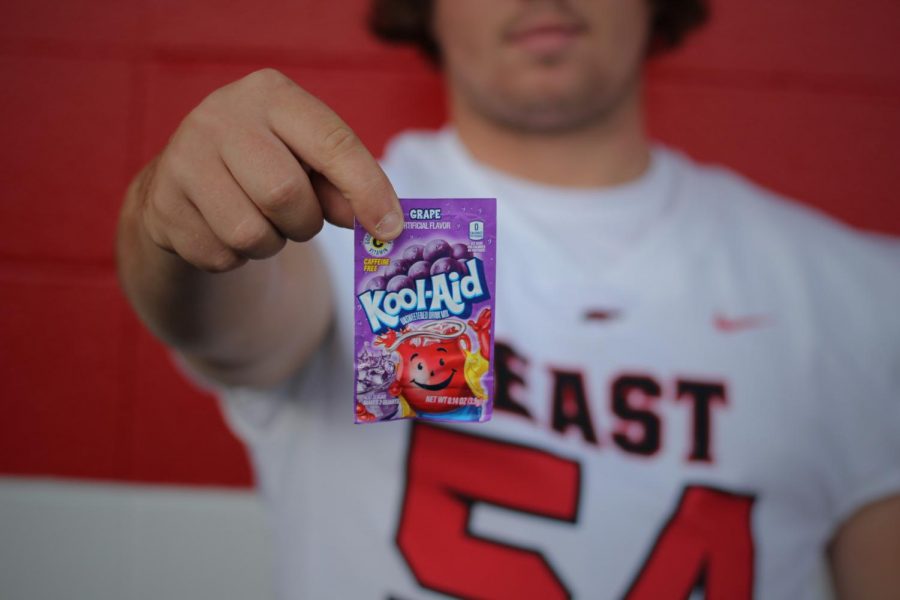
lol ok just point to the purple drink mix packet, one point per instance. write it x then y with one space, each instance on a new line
425 314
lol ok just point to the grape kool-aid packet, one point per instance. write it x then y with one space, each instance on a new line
424 314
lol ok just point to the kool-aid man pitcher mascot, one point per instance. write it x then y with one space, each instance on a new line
438 371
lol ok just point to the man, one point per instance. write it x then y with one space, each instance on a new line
697 381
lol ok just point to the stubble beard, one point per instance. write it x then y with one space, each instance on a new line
593 104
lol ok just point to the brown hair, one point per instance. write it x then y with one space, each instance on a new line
409 22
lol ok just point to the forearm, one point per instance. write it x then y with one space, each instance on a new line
865 554
245 326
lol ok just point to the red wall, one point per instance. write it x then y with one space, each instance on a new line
803 96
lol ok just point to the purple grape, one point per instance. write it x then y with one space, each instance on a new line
376 283
436 249
400 282
446 265
420 270
398 267
461 252
413 253
403 263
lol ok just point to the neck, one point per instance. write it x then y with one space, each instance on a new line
607 152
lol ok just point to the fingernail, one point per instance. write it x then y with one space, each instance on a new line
390 225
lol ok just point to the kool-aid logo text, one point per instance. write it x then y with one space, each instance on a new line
436 297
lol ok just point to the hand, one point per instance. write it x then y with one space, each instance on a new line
482 328
260 161
386 339
483 323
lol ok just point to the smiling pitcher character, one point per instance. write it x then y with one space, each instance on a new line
438 371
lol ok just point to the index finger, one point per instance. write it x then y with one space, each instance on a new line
322 140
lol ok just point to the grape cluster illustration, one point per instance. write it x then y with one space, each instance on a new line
420 262
374 370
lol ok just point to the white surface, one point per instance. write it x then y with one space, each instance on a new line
72 540
76 540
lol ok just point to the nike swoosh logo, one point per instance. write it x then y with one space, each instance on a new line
601 315
735 324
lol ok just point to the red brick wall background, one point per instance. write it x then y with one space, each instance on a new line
802 96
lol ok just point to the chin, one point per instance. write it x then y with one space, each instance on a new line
563 112
549 113
547 100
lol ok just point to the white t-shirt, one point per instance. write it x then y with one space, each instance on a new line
697 383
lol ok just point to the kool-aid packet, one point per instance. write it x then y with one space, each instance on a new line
425 314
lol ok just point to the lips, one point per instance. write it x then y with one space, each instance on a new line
434 387
544 30
545 34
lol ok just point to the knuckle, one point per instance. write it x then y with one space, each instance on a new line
187 148
267 78
207 118
250 236
176 160
282 196
157 210
221 261
339 141
375 186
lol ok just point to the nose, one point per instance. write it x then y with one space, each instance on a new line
432 373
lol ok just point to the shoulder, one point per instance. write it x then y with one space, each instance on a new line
734 200
778 227
797 254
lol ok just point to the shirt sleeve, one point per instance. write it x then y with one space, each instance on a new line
251 413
